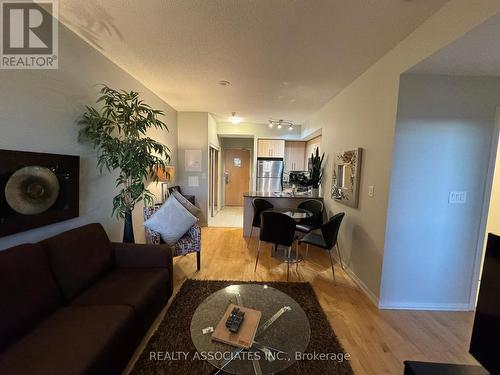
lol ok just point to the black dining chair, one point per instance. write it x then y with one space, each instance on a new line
326 238
259 205
316 207
278 229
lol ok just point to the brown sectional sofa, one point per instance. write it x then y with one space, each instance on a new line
77 303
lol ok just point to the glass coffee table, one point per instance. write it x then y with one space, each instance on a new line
283 330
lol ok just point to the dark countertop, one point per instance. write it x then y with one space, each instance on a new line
261 194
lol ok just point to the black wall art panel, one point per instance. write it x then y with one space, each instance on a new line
37 189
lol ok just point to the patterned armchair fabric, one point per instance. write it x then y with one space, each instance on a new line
189 243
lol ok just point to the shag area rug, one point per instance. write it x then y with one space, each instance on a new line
173 333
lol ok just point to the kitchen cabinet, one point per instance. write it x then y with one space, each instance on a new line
271 148
295 156
311 147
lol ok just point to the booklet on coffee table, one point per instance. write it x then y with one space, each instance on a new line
246 333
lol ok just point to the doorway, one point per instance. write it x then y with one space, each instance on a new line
236 175
213 193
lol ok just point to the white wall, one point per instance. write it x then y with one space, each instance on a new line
39 110
443 137
192 128
363 115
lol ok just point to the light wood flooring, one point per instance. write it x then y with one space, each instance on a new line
377 340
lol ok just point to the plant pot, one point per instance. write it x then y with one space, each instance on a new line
128 228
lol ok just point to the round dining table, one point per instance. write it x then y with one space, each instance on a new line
297 214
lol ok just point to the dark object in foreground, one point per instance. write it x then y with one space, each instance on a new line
77 303
429 368
234 320
486 330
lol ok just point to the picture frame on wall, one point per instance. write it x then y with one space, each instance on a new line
37 189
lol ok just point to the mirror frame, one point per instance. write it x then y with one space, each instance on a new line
347 196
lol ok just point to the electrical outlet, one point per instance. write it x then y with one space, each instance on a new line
371 191
457 197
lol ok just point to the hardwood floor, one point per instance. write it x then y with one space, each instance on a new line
377 340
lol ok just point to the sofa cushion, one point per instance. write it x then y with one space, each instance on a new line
78 257
139 288
73 340
171 220
195 211
28 290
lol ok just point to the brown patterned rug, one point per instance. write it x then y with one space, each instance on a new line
173 333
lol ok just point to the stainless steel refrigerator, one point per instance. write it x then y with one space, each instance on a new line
269 175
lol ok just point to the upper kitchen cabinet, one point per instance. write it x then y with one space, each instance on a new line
311 147
295 153
271 148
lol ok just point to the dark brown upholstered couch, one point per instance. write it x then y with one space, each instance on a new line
77 303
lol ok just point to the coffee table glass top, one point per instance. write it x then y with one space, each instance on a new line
276 343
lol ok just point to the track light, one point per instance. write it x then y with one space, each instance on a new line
280 123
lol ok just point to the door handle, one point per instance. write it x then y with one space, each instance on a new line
226 177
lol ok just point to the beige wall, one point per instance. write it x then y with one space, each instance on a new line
193 133
363 115
39 111
493 223
213 140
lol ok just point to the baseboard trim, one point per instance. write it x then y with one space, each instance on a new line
361 285
425 306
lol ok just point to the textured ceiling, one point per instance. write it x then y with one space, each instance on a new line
477 53
284 58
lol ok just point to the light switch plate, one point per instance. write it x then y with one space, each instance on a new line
193 181
371 191
457 197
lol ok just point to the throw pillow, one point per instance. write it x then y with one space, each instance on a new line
171 220
195 211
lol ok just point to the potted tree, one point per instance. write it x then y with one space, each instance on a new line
316 172
118 131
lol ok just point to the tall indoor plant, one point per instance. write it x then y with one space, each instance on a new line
118 130
316 170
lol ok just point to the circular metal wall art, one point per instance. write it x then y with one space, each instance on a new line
32 190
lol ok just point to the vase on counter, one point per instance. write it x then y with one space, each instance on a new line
315 192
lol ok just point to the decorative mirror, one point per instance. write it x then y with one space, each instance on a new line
346 173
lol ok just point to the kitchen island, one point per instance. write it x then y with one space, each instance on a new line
278 200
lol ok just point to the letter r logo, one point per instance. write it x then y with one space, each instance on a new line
27 28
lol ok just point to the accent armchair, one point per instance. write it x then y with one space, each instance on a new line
189 243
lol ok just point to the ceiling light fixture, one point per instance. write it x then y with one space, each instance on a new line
224 82
235 119
280 123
